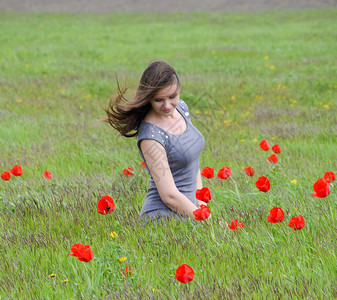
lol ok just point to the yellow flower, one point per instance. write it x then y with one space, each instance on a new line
279 87
254 140
272 67
27 66
121 259
88 96
258 68
52 275
247 113
266 57
283 275
273 138
294 101
113 234
294 181
65 280
19 100
197 112
326 106
335 86
233 97
242 140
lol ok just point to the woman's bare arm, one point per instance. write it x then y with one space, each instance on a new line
156 160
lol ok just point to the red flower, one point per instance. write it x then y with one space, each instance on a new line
330 176
276 215
321 187
224 173
128 172
106 205
263 184
5 176
249 171
207 172
276 149
126 272
273 158
75 248
184 274
47 175
264 145
143 164
202 213
16 170
85 253
204 194
297 222
236 224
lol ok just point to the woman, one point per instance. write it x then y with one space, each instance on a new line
168 142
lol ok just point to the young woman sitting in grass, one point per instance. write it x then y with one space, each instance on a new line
168 142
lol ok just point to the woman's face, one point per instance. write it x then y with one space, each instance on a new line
166 100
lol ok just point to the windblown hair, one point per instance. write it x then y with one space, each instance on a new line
127 115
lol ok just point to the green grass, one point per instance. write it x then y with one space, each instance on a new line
57 71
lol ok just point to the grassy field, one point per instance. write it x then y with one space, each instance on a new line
246 77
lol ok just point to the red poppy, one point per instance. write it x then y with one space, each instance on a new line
276 149
297 222
263 184
321 187
126 272
5 176
236 224
224 173
75 248
204 194
207 172
47 175
273 158
249 171
330 176
85 253
106 205
184 274
202 213
276 215
128 172
264 145
143 164
16 170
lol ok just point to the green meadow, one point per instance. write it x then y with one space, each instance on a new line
246 77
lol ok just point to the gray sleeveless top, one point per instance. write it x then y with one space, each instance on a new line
183 153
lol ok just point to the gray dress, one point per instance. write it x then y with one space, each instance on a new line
183 154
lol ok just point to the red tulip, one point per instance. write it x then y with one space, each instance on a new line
264 145
224 173
16 170
128 172
276 215
249 171
207 172
5 176
47 175
204 194
106 205
330 176
263 184
276 149
273 158
321 187
184 274
126 272
236 224
75 248
202 213
85 254
143 164
297 222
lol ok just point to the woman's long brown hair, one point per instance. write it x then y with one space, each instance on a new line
126 116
